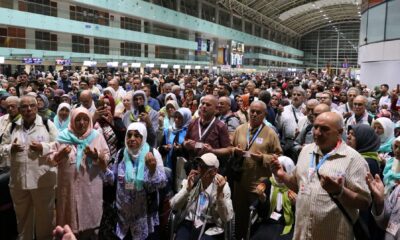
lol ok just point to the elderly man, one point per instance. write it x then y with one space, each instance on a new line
208 195
27 143
207 133
226 115
86 100
287 121
6 120
347 109
119 91
327 169
306 132
326 97
360 114
255 146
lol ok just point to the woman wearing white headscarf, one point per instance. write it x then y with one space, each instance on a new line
384 127
277 213
138 176
386 205
61 120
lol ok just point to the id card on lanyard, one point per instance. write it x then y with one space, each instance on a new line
201 133
250 142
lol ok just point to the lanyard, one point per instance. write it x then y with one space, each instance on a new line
324 158
201 135
250 142
295 116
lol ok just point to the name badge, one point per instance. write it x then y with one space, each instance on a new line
393 228
198 145
304 190
259 140
129 186
246 154
275 216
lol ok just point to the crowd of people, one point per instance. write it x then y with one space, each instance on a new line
106 155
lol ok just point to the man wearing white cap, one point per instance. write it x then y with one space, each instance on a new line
204 202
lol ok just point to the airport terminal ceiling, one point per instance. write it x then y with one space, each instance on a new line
296 18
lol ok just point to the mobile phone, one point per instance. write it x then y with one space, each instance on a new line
141 109
100 103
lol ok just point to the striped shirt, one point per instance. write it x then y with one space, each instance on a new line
317 216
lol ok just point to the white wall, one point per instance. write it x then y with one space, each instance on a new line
380 63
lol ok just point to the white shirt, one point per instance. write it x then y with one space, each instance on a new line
287 122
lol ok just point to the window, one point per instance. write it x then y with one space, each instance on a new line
393 20
12 37
89 15
224 19
130 24
45 41
44 7
130 49
208 13
376 23
80 44
101 46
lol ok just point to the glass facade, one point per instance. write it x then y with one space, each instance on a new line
380 22
328 47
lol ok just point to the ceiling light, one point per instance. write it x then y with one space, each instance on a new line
324 15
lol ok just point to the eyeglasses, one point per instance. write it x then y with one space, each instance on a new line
28 106
358 104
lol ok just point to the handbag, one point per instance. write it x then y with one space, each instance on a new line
360 229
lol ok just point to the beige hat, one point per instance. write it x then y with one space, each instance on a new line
209 159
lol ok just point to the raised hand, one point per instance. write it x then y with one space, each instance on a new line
151 162
376 187
62 154
36 146
331 185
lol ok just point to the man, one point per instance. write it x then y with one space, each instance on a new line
273 85
306 132
255 144
385 100
166 89
204 193
287 121
224 90
153 103
142 112
119 91
347 109
226 115
6 120
86 100
63 82
207 134
265 97
326 97
236 90
360 114
93 86
327 166
32 180
23 84
305 123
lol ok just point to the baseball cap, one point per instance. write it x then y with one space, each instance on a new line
209 159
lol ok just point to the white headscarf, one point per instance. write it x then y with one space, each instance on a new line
63 105
388 129
141 128
112 91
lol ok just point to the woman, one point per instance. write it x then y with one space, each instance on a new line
138 176
277 214
43 107
62 119
384 127
12 91
386 207
81 155
241 113
364 140
166 120
171 145
121 109
168 97
112 128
